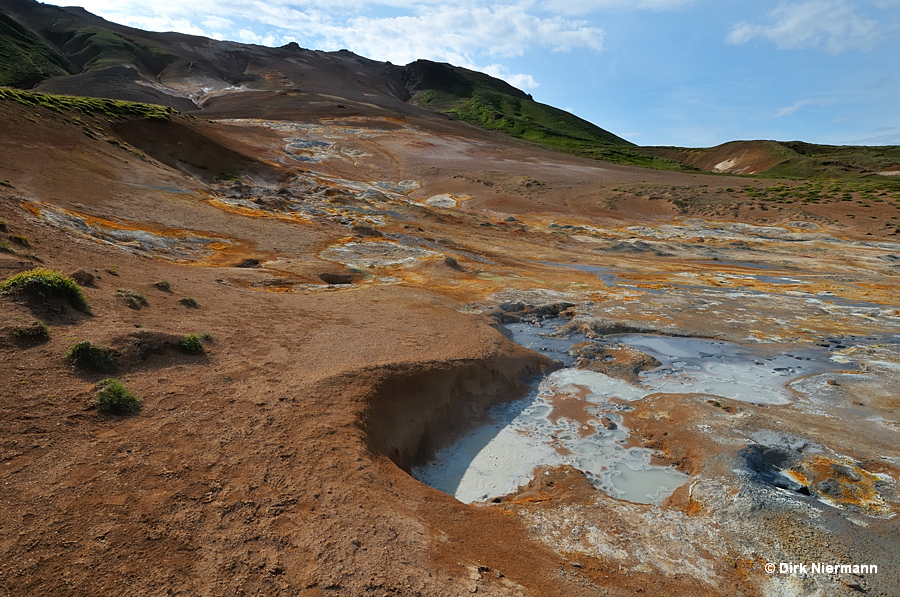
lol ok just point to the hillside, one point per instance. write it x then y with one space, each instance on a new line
70 51
792 160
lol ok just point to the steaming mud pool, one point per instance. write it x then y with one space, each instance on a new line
573 416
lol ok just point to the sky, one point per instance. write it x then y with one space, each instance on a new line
691 73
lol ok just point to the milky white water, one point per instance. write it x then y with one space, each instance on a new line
497 458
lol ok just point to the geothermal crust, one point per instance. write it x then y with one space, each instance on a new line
351 269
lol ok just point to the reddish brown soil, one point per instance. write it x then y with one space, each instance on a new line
274 463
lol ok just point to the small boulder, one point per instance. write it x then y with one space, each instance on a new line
83 277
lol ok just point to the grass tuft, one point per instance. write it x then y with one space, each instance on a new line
114 398
46 284
134 300
36 332
193 343
189 302
90 357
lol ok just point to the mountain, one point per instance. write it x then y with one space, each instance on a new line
70 51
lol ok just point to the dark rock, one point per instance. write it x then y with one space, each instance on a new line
453 264
333 278
502 316
512 306
616 360
830 487
83 277
366 231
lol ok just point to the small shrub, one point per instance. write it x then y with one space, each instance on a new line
20 240
189 302
46 284
115 398
193 344
3 227
89 357
113 271
134 300
36 332
6 183
163 285
5 248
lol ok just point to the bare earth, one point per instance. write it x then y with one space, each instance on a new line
277 462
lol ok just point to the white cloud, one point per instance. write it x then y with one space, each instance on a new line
822 101
161 23
586 6
834 26
251 37
518 80
462 33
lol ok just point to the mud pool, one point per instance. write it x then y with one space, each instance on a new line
573 416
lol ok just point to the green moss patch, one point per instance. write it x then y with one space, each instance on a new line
45 284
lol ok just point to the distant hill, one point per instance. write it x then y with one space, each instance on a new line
791 159
494 104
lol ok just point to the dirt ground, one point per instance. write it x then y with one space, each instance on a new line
277 461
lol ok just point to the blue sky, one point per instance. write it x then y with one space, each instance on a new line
657 72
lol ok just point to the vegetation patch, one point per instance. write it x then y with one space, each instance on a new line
37 331
193 343
20 240
134 300
163 285
45 284
189 302
114 398
90 357
88 106
492 104
25 59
